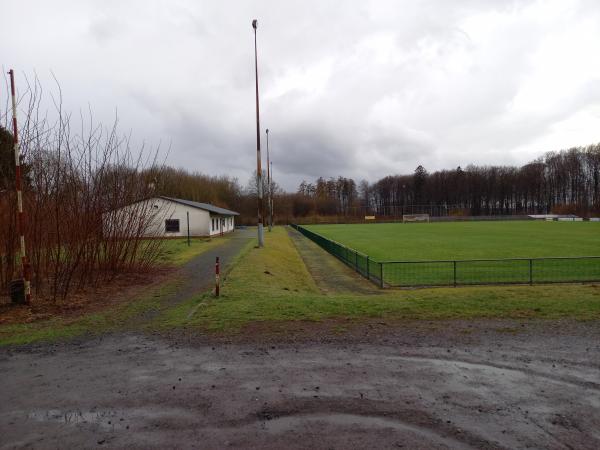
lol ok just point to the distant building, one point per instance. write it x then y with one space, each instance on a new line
168 217
550 217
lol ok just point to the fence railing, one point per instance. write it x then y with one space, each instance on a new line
367 267
462 272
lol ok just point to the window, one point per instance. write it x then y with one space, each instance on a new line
213 225
172 225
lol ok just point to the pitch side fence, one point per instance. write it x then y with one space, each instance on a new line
462 272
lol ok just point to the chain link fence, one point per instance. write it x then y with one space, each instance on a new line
367 267
462 272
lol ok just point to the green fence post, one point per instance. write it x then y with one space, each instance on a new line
531 271
454 273
381 274
368 267
355 260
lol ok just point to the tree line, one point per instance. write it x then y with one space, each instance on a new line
566 181
563 182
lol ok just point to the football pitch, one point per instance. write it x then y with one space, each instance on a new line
443 243
466 240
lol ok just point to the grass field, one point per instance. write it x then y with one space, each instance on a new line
271 287
467 240
474 240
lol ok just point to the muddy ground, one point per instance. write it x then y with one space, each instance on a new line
486 384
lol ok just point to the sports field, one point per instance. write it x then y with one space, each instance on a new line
472 241
467 240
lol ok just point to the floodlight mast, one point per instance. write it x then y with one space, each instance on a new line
271 196
258 159
269 193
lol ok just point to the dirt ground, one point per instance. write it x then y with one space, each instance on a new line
486 384
120 289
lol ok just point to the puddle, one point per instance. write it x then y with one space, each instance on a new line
112 419
74 417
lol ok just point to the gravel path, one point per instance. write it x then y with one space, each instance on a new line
198 275
421 385
330 274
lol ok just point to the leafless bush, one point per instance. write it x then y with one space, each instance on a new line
73 179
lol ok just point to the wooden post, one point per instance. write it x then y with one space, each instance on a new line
217 276
531 271
188 226
454 273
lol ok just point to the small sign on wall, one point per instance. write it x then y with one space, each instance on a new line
369 217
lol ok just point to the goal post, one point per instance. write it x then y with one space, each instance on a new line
415 218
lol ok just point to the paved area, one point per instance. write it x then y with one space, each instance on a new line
433 385
198 275
330 274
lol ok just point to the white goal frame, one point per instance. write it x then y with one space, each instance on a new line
415 218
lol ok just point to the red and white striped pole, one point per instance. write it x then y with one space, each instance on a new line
19 186
217 276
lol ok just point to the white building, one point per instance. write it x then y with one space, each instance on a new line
169 217
552 217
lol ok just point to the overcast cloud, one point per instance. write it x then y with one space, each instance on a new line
361 89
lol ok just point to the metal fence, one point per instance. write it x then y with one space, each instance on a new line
367 267
462 272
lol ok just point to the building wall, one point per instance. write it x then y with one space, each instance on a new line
157 210
218 222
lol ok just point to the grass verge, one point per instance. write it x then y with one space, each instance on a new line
90 324
273 285
176 252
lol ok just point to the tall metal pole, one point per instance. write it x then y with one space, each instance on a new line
269 184
271 195
25 272
261 237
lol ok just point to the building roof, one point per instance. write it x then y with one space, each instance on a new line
205 206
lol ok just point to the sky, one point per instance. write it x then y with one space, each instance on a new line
362 89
